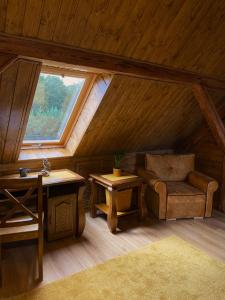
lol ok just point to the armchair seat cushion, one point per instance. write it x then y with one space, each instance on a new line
177 188
184 200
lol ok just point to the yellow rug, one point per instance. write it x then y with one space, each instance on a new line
168 269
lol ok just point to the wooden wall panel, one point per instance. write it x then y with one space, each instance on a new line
17 87
184 34
140 115
91 105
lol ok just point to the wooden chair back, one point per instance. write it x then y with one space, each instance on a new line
18 204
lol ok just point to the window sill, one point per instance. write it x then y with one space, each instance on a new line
29 154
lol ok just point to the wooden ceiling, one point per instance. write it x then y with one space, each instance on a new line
140 115
135 114
187 34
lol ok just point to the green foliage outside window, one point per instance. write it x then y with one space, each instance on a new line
53 102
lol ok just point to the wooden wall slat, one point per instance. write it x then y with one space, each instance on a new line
17 88
7 87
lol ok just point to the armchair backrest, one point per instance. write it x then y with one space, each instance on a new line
170 167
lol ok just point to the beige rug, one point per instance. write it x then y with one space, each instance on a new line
168 269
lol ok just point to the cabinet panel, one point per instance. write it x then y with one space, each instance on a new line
61 216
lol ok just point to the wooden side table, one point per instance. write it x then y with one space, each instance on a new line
114 185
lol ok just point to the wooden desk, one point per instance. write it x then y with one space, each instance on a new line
63 192
114 185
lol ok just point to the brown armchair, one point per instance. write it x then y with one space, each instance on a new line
176 190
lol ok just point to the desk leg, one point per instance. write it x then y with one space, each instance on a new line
93 198
141 201
112 215
80 211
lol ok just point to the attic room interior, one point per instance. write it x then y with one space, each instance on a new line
112 149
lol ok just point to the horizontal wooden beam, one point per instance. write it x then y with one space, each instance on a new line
211 115
114 64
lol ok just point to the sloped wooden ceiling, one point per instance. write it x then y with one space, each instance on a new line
135 114
187 34
140 115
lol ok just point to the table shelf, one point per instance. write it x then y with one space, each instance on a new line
105 209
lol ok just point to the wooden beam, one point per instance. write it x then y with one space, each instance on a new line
199 134
210 113
6 60
114 64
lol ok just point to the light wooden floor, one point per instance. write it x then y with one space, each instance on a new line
97 245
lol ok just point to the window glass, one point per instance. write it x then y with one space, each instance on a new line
53 103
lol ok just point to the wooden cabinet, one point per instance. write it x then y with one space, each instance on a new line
62 216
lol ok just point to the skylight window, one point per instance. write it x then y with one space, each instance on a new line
56 98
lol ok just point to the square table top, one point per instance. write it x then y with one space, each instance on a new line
111 180
60 176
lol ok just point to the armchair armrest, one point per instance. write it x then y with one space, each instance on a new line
159 188
206 184
202 182
152 180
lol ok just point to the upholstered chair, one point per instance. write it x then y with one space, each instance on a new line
176 190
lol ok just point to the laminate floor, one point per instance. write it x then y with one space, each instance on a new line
67 256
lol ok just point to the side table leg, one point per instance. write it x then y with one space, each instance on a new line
80 212
142 213
112 215
93 198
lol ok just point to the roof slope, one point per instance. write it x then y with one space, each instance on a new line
139 115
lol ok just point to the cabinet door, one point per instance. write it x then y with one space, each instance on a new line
61 216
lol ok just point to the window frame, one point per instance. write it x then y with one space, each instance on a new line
78 106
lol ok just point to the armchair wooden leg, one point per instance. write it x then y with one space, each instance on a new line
40 257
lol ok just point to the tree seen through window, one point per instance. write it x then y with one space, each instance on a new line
53 103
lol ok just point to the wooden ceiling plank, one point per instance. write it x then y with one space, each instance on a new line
3 12
15 16
76 27
136 25
97 14
186 20
153 39
32 18
111 63
111 32
210 114
66 14
198 32
50 13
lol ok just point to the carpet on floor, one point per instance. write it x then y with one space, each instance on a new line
168 269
